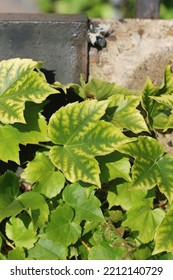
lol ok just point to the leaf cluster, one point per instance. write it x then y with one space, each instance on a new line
83 175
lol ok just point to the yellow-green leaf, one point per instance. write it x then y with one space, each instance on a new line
79 137
101 90
126 115
22 236
163 236
20 83
166 99
151 167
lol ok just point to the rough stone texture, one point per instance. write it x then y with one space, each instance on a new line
60 41
135 49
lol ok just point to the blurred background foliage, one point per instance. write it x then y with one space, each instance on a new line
101 8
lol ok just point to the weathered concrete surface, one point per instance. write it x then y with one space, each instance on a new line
135 49
60 41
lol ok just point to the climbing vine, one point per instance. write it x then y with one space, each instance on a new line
83 174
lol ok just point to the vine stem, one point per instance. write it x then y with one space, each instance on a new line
85 245
44 146
6 241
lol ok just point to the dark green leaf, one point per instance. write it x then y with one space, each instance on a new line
84 202
61 228
48 250
144 221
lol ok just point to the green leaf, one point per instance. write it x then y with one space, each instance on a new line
144 221
79 137
36 205
84 203
33 132
163 235
121 194
101 90
150 105
9 184
0 241
42 172
125 115
104 251
114 165
166 99
48 250
12 202
168 79
22 236
152 95
17 254
61 228
142 253
35 128
2 257
168 123
9 191
152 167
9 142
108 244
20 83
164 120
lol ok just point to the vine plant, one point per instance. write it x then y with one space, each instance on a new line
94 181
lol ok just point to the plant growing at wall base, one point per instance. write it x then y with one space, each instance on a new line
83 175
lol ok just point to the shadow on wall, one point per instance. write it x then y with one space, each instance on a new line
19 6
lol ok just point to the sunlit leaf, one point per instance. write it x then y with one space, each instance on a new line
22 236
123 195
17 254
101 90
166 99
152 167
42 172
156 100
20 83
32 132
114 165
163 235
126 115
150 105
79 137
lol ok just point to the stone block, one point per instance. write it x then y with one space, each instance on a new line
135 49
60 41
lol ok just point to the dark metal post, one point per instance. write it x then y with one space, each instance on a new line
147 9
